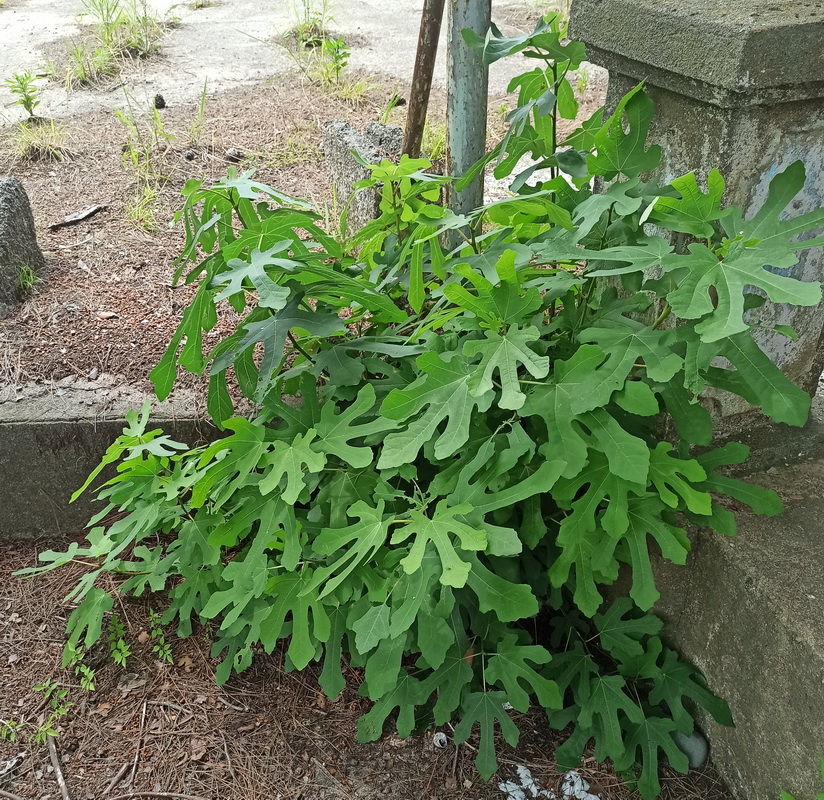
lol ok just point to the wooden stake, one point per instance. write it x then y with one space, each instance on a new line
422 76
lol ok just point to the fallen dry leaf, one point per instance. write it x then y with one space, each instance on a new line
129 682
199 748
187 663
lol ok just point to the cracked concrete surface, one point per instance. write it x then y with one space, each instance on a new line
231 43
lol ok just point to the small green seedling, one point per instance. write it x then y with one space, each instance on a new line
160 647
22 85
73 656
392 103
118 649
27 278
337 52
9 727
60 706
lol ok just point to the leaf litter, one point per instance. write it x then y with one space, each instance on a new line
266 734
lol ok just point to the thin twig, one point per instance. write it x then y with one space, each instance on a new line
155 794
10 795
228 758
117 778
187 715
166 703
225 702
58 773
139 745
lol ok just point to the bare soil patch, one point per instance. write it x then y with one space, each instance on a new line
108 301
266 734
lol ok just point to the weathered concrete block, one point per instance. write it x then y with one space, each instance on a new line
748 612
737 86
18 243
377 142
52 438
387 138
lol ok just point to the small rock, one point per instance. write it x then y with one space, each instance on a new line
93 373
189 155
772 471
233 154
695 748
107 315
159 101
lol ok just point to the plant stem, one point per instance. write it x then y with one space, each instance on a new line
667 310
299 348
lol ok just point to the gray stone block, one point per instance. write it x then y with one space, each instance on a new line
18 243
747 612
756 49
387 138
378 142
55 435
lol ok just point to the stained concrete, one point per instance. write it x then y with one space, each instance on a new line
729 96
748 612
53 435
738 85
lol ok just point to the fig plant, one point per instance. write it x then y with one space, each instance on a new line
444 456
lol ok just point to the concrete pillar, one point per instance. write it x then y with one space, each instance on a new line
738 85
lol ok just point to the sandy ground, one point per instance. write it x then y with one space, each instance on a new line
229 44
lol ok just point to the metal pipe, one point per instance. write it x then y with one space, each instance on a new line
467 97
422 76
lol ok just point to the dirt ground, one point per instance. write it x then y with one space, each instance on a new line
266 734
107 301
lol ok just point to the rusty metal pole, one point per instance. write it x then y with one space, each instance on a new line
422 76
467 91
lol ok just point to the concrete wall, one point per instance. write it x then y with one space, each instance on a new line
748 612
53 437
737 86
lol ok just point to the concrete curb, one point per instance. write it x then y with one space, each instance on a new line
53 435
